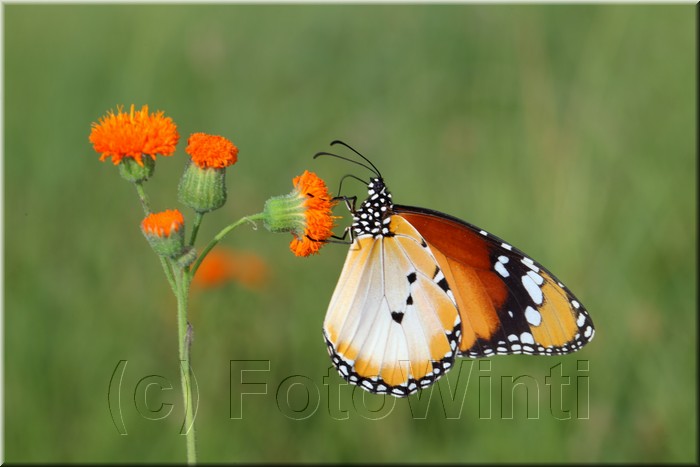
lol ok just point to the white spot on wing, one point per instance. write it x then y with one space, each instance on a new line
529 263
506 246
533 316
483 232
532 289
535 277
500 269
581 319
526 338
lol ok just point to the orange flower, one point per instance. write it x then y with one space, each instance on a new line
318 215
305 212
225 264
163 224
209 151
134 135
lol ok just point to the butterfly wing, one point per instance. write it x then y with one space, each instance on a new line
392 326
508 303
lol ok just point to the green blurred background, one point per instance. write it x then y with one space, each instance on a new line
567 130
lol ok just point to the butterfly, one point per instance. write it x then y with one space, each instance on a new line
420 288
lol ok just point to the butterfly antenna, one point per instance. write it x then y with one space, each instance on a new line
376 171
323 153
340 186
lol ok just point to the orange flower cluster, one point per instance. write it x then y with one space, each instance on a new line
138 134
134 135
209 151
318 215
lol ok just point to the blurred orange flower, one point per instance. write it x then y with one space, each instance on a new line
223 265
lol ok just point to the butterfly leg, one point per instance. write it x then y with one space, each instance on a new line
349 201
336 239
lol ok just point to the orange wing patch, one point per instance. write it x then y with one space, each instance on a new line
478 291
558 324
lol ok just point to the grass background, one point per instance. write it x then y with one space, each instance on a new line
567 130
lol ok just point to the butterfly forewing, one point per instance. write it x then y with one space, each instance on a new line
508 303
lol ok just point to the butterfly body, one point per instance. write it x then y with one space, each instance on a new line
420 288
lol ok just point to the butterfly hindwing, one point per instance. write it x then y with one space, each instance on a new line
392 325
509 304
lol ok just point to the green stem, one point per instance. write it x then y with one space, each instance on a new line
145 203
195 226
184 341
218 238
168 270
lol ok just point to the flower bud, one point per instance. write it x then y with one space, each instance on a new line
165 231
203 185
285 214
132 171
201 189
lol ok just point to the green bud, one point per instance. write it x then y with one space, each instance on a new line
171 246
131 171
285 214
201 189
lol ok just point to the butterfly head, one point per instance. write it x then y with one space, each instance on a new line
374 215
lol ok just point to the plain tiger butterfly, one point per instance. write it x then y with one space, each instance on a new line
420 288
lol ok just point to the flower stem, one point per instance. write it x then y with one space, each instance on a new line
184 341
145 203
168 270
195 226
218 238
184 279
